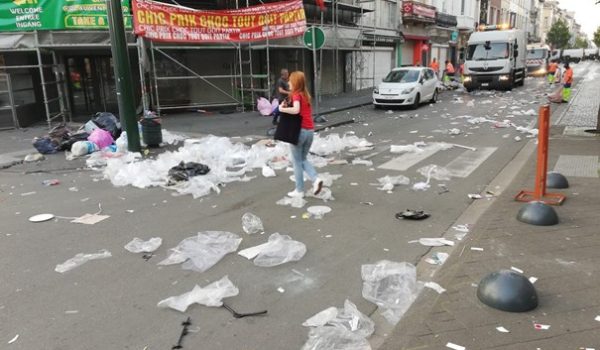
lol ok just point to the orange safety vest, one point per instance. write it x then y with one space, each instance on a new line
568 79
552 67
450 68
435 66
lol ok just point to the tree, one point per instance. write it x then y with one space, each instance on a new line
559 35
581 43
596 39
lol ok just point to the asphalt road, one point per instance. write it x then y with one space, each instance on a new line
111 303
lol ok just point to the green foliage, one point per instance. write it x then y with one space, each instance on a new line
559 35
581 43
596 39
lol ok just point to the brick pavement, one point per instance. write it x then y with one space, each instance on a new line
565 258
583 111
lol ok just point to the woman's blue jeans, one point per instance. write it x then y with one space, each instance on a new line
301 164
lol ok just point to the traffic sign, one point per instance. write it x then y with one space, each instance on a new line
315 34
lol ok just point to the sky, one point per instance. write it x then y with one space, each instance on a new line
587 13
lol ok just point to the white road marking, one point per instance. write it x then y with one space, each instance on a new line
468 161
407 160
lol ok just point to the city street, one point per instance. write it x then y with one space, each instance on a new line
112 303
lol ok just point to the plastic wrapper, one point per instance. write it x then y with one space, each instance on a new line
211 295
435 172
348 318
81 148
101 138
184 171
416 147
264 106
392 286
81 259
295 202
387 183
268 172
280 250
321 318
201 252
333 143
122 143
138 245
252 224
334 338
171 138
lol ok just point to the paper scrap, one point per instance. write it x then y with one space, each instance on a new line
252 252
90 219
516 269
474 196
13 339
454 346
539 326
597 318
502 330
435 242
435 286
477 249
281 290
533 279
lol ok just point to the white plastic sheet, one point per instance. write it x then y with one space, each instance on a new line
392 286
138 245
295 202
435 172
201 252
280 250
333 143
211 295
252 224
81 259
333 338
387 183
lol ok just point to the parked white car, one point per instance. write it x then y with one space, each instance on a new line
406 86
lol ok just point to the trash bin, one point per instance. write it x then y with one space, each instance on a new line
151 130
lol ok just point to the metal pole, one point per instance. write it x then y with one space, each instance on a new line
59 87
141 49
124 81
43 80
315 74
156 95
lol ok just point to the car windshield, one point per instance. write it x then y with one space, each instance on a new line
493 51
537 53
402 76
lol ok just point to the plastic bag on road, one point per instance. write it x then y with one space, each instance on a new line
281 249
108 121
295 202
211 295
138 245
252 224
267 171
203 251
184 171
333 338
392 286
388 183
102 138
81 259
321 318
349 318
435 172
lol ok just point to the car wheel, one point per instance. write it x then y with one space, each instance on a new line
417 102
434 97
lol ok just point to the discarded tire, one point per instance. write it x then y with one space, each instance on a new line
507 290
537 213
556 180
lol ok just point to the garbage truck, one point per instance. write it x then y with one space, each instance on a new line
537 59
495 58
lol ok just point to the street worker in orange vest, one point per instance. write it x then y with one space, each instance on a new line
435 66
567 82
551 71
448 72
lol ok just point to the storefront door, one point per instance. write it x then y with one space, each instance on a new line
91 85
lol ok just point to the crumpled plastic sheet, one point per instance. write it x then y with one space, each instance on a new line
138 245
348 318
280 250
81 259
387 183
437 172
358 161
333 143
392 286
252 224
100 159
295 202
201 252
416 147
325 195
211 295
334 338
172 138
267 171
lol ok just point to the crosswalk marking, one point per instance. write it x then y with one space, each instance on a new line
407 160
577 166
468 161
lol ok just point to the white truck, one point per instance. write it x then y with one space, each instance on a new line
537 59
572 55
591 53
495 58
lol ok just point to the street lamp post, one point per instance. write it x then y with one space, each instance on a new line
122 69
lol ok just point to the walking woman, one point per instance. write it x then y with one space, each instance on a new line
301 106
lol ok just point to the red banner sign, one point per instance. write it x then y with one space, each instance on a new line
169 23
416 9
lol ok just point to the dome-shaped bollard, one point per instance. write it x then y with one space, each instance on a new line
507 290
556 180
537 213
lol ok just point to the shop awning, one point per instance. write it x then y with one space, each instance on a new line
415 37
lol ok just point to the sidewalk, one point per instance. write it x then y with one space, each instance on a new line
565 259
252 123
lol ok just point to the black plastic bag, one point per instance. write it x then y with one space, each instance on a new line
183 171
45 145
65 145
108 121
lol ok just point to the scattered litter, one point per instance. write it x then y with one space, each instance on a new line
71 312
318 211
435 286
334 338
516 269
533 279
130 211
81 259
477 249
597 318
34 157
454 346
502 330
90 219
321 318
541 327
267 171
241 315
41 217
138 245
413 131
412 215
295 202
517 138
348 318
454 131
280 249
51 182
186 170
185 331
252 224
435 242
435 172
392 286
73 189
471 103
211 295
354 184
358 161
423 186
367 203
437 258
387 183
28 193
13 339
201 252
474 196
281 290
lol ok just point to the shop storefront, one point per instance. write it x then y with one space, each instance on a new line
417 20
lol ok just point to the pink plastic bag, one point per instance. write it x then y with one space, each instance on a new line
102 138
264 106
